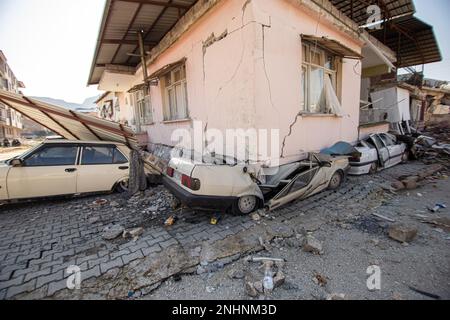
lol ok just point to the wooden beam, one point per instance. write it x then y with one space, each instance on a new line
125 42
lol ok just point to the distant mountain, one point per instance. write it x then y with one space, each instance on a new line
87 106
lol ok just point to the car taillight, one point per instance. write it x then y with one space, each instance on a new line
170 171
355 159
191 183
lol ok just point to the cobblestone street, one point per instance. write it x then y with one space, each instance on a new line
39 241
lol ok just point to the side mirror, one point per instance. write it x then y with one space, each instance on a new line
16 162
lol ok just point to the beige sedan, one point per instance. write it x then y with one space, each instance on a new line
61 167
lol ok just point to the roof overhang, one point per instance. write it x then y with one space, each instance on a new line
412 39
333 46
69 124
118 43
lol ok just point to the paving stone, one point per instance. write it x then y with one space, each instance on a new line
132 256
116 263
23 288
50 278
13 282
33 275
149 250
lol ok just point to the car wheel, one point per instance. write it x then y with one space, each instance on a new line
245 205
336 180
122 186
405 157
373 168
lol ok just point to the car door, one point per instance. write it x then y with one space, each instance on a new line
100 167
395 150
383 152
48 171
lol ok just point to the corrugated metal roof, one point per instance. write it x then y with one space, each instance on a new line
412 39
357 9
122 19
69 124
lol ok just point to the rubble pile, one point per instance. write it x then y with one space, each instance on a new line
434 145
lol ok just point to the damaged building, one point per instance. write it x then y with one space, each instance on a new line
292 65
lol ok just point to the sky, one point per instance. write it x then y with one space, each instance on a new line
50 44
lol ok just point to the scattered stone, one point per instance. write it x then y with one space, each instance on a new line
250 290
112 232
336 296
236 274
320 280
402 233
258 285
311 244
136 232
112 274
210 289
256 217
398 185
114 204
94 220
279 279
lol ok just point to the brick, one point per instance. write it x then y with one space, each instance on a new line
149 250
33 275
131 257
91 273
56 286
13 282
168 243
116 263
50 278
23 288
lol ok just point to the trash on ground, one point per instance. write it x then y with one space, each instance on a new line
311 244
437 207
383 217
170 221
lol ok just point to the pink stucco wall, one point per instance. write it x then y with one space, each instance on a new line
252 77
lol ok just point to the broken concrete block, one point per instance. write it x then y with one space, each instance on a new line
311 244
111 233
136 232
250 290
398 185
410 184
279 279
402 233
236 274
256 217
258 285
336 296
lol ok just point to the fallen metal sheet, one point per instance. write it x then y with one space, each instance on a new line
69 124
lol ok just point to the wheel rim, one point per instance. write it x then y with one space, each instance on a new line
247 204
124 185
335 180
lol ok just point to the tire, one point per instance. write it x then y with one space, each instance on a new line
405 157
373 168
244 205
336 180
122 186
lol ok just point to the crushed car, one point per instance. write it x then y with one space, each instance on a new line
62 167
378 151
243 188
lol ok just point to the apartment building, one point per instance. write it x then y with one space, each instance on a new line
11 122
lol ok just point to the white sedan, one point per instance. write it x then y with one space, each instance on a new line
243 188
378 151
61 167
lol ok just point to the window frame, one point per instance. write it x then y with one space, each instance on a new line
307 65
115 149
43 147
142 103
171 112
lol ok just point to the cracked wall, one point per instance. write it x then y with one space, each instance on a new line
244 71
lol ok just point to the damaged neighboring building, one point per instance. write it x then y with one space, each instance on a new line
11 122
292 65
398 103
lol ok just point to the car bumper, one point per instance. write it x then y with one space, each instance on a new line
358 168
197 201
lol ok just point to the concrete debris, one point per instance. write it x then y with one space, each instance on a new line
236 274
250 289
112 232
383 217
320 280
279 279
311 244
402 233
256 217
336 296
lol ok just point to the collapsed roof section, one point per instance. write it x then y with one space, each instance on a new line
68 124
